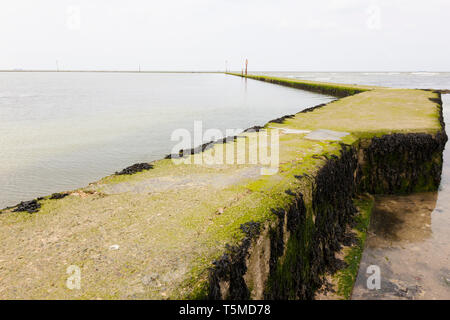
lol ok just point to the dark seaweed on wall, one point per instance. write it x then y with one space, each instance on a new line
201 148
333 205
254 129
281 119
333 90
312 245
313 108
309 253
396 163
31 206
438 101
208 145
231 267
290 116
440 91
402 163
135 168
288 280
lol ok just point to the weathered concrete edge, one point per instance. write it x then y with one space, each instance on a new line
229 278
290 257
333 89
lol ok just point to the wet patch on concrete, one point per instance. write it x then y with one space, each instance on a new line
409 241
165 183
291 131
56 196
401 219
328 135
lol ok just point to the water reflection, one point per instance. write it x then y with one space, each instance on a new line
401 219
60 131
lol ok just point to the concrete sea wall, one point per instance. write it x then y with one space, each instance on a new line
162 230
289 258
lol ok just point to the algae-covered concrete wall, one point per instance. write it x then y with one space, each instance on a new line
291 257
333 89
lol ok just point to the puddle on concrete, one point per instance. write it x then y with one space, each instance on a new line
324 134
291 131
409 239
161 184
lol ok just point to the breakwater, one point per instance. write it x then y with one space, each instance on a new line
224 232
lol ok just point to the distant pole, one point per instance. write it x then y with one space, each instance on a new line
246 63
139 68
57 66
226 65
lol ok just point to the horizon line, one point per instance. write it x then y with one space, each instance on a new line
215 71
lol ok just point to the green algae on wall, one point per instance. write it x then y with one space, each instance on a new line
346 277
306 236
333 89
404 163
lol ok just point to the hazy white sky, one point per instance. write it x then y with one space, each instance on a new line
319 35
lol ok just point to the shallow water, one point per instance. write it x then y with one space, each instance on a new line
409 239
60 131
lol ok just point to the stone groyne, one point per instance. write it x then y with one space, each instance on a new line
225 231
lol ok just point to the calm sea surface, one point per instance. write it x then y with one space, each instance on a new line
60 131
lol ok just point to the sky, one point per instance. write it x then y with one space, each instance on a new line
279 35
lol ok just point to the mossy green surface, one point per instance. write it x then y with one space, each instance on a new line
346 277
172 221
334 89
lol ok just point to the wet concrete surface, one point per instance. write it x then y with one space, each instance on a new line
161 184
324 134
409 240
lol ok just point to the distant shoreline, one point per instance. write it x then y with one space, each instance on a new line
111 71
217 71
